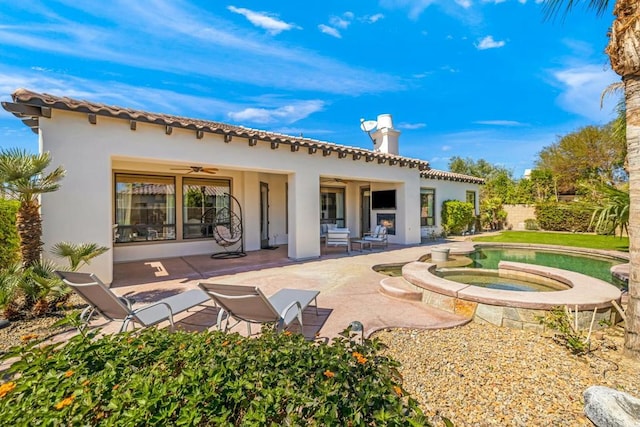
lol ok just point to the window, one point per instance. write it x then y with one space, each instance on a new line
145 208
332 206
471 198
202 200
427 207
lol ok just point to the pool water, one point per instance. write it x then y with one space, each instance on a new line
488 258
598 267
493 281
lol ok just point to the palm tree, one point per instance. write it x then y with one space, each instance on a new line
23 177
78 254
611 208
624 53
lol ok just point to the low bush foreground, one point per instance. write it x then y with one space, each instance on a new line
154 377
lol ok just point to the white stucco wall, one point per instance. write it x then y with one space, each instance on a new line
448 190
83 209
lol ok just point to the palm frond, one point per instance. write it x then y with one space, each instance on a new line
9 283
23 174
77 254
610 209
552 8
614 89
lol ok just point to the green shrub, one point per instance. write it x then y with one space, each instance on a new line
531 224
562 216
457 216
10 247
155 377
558 320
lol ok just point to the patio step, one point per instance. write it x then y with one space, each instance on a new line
397 287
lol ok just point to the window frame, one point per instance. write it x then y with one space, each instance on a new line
206 228
340 192
472 199
424 219
165 232
151 231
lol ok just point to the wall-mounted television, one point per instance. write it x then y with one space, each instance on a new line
385 199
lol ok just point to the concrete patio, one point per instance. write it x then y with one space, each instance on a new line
348 287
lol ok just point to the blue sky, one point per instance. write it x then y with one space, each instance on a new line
486 79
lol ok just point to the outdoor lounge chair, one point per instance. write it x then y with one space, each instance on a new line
104 302
249 304
377 237
338 237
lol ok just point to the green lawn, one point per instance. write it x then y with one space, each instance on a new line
593 241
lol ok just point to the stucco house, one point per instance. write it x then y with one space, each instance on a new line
151 185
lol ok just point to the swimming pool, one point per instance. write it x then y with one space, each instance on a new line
591 288
599 267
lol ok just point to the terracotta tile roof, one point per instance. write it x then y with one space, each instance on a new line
450 176
30 106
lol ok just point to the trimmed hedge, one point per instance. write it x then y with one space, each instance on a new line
155 377
563 216
457 216
9 240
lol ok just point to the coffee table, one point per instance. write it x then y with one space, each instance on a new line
363 244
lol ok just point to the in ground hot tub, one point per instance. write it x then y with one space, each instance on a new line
590 297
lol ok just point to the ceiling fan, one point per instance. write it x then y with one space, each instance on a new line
196 169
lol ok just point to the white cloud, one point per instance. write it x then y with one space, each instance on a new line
494 145
196 37
412 126
288 113
464 3
263 20
499 123
415 7
446 148
303 132
339 22
582 86
489 43
372 19
273 110
329 31
422 75
578 48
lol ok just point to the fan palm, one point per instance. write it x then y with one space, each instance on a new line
624 53
611 212
78 254
23 177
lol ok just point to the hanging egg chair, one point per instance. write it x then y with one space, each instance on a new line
228 230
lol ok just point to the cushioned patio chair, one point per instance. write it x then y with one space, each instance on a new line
248 304
114 308
324 229
377 237
338 237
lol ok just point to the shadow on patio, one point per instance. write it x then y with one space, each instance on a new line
348 286
197 267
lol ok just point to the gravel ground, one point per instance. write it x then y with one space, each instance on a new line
11 335
481 375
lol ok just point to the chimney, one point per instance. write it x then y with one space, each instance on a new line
386 137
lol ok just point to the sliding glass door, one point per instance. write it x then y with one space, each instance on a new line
332 206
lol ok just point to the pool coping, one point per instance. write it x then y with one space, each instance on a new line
585 292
